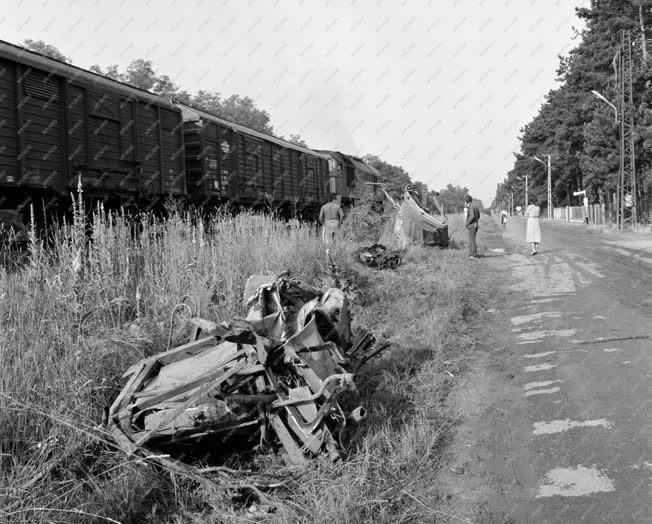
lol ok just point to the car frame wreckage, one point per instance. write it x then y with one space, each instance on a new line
270 381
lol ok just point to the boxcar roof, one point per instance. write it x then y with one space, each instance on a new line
51 65
356 162
191 113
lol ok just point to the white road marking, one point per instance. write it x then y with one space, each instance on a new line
542 300
559 426
539 355
526 319
539 367
541 391
627 362
542 334
540 281
611 350
574 482
630 255
532 385
590 268
643 244
498 250
529 342
599 317
619 251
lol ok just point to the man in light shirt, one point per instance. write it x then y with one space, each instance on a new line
330 217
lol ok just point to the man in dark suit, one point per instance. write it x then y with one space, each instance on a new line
472 219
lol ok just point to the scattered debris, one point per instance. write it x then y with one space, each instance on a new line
270 381
378 256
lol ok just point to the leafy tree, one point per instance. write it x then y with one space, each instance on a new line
39 46
397 178
110 72
244 111
577 128
452 198
141 73
205 100
296 139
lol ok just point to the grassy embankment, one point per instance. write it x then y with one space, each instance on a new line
79 314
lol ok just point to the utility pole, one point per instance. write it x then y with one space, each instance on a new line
548 165
549 190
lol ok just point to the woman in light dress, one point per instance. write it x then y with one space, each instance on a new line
533 234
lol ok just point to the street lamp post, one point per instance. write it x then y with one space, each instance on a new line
549 184
601 97
620 148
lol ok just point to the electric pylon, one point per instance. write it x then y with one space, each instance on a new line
628 214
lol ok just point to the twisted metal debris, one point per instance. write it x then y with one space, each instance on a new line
270 381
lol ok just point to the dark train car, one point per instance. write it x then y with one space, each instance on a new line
58 122
228 161
351 178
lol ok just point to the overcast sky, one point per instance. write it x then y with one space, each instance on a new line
439 87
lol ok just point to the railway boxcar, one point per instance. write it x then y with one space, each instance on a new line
351 178
228 161
59 122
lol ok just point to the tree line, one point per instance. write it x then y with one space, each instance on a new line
243 110
576 127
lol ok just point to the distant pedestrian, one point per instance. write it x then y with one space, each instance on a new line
533 234
503 217
472 219
330 216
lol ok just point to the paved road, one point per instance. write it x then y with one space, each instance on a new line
557 423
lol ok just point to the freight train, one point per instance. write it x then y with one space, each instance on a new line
60 124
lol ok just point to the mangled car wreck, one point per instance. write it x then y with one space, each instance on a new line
270 381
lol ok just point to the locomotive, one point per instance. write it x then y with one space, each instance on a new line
60 124
351 178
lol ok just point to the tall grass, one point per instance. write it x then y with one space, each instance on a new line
98 298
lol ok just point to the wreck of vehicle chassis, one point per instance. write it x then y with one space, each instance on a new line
270 381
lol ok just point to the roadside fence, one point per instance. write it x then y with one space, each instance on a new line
596 214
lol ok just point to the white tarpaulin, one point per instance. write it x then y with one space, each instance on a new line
414 224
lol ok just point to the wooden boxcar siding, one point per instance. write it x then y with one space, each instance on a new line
199 150
40 128
8 124
268 170
210 175
53 128
159 153
228 162
252 169
248 168
174 175
279 174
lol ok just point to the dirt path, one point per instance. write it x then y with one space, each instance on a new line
557 423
